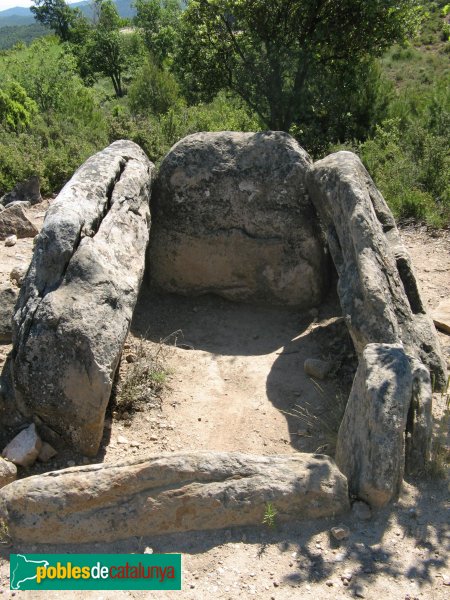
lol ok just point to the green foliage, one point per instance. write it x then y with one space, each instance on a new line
14 34
154 90
268 51
409 156
156 134
69 126
270 514
56 15
351 113
16 108
159 22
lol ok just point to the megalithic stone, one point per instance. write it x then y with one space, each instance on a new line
76 302
378 291
170 493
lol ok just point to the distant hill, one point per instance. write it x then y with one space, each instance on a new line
23 16
9 36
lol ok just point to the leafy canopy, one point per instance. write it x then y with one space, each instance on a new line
268 50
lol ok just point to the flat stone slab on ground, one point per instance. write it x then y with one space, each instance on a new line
170 493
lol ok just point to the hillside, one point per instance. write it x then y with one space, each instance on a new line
12 17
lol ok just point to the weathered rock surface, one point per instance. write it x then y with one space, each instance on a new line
170 493
24 449
14 222
231 217
8 298
76 302
17 274
370 448
317 368
441 316
8 472
47 452
25 191
377 287
419 426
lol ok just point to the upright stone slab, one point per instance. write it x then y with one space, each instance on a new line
170 493
76 302
377 287
370 448
231 217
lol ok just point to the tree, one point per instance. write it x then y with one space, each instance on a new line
105 49
159 21
269 51
55 14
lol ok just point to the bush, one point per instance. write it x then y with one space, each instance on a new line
153 90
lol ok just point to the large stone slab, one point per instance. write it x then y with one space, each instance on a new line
390 402
231 217
170 493
377 287
76 302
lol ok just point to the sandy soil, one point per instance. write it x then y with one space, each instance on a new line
234 372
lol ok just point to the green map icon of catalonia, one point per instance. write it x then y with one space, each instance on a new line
24 569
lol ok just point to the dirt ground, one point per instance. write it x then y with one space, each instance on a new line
235 381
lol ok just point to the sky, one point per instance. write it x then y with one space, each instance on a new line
10 3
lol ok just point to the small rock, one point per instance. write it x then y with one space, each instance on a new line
71 463
17 275
46 452
148 550
359 591
24 449
341 532
339 557
446 579
329 583
11 240
317 368
361 510
14 222
130 358
122 439
8 472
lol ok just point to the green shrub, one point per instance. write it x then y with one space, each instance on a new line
153 90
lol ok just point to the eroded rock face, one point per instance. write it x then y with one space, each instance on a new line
170 493
76 302
231 217
390 403
8 472
8 298
377 287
